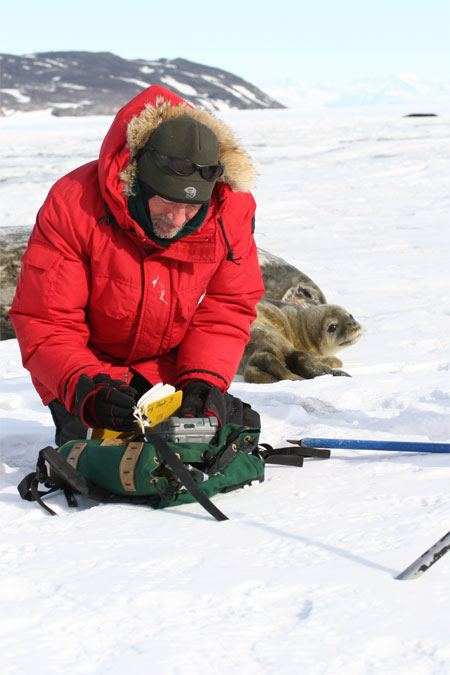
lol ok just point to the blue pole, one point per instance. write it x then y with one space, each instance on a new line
393 446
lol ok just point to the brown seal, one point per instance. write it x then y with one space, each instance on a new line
283 281
288 342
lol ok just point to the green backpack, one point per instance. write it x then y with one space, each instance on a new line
153 471
150 471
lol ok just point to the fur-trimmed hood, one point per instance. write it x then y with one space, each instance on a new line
238 170
122 304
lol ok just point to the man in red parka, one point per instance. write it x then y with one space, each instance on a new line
141 268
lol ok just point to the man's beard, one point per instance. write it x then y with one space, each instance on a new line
161 230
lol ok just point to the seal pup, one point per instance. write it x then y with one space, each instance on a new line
288 342
283 281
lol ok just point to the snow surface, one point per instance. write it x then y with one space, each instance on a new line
301 578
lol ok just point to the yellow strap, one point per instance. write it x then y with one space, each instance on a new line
98 434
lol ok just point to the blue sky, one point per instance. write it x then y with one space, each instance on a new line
333 41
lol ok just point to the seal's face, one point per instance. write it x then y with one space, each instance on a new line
325 329
338 329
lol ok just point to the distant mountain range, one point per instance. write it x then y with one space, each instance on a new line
88 83
99 83
404 89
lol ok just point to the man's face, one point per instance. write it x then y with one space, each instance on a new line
169 217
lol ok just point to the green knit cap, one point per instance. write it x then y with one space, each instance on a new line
185 138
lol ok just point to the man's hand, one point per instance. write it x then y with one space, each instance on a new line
200 399
102 402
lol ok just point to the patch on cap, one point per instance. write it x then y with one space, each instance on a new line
190 192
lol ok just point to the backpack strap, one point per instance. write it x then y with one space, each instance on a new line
215 463
29 486
69 480
180 472
289 456
284 456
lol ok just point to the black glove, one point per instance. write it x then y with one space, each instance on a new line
200 399
102 402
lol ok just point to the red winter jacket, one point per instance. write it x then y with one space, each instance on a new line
95 295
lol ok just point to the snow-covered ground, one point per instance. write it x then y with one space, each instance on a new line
301 578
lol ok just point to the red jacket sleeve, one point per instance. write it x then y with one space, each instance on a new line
48 311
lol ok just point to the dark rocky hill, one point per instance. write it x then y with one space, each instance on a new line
88 83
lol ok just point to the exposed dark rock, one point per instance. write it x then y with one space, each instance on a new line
100 83
13 241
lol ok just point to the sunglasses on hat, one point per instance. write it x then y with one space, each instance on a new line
185 167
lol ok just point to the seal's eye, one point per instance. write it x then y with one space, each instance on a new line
332 327
304 291
351 317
